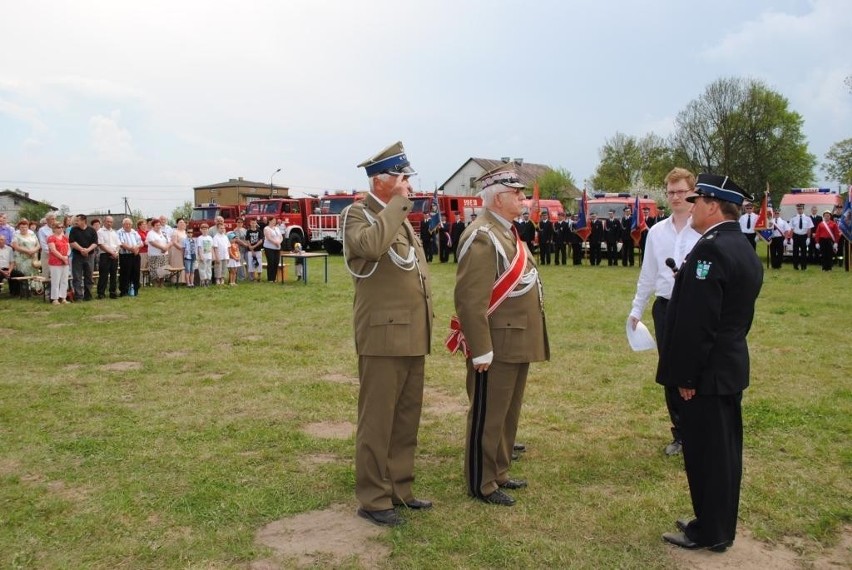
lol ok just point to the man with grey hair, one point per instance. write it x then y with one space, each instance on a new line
129 260
393 328
43 233
500 329
110 245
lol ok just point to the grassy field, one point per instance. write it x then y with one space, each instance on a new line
163 431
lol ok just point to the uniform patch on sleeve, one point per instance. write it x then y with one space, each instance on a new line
702 269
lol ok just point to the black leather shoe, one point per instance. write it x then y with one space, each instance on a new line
387 517
520 447
498 497
416 504
681 524
512 484
680 539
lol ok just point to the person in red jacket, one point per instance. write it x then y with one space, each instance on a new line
827 235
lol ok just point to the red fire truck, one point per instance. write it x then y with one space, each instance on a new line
451 207
207 213
294 212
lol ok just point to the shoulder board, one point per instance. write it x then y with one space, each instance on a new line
712 235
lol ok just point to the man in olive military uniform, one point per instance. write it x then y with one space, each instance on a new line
501 329
704 355
393 324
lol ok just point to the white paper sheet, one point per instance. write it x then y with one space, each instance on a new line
641 338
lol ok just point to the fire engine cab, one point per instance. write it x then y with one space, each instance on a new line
294 212
207 213
324 225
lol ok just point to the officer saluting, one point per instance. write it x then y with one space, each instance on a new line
705 355
393 323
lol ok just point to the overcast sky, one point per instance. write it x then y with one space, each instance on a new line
101 100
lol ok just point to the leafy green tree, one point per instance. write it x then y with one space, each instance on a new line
743 129
34 212
627 163
558 184
839 162
184 211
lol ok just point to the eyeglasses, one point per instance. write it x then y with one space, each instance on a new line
679 193
514 191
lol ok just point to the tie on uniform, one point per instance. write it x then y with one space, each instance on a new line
800 222
748 221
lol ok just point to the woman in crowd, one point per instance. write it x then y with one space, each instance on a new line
826 236
177 247
272 239
158 247
58 261
26 246
142 230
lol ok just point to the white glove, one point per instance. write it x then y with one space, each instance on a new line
817 247
834 247
808 241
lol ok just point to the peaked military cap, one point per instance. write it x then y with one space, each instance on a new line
503 174
720 188
391 160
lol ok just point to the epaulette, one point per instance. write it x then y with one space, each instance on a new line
711 235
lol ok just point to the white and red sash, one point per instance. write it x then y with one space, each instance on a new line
504 285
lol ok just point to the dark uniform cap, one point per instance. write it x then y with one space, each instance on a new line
720 188
391 160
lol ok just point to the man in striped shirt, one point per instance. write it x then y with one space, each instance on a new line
128 258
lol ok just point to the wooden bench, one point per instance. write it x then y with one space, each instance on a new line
24 290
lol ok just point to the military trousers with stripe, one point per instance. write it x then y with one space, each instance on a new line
492 424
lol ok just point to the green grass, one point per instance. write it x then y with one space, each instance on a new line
177 459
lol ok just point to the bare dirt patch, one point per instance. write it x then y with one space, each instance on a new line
340 379
109 317
749 553
175 353
57 325
321 458
122 366
330 430
6 332
438 403
325 538
72 367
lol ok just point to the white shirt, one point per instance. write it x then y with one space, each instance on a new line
220 246
743 222
779 227
272 237
154 237
109 241
663 242
806 222
43 233
6 257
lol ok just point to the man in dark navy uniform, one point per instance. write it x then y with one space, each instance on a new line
705 355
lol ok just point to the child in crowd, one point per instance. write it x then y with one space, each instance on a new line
189 259
233 258
221 245
300 263
204 248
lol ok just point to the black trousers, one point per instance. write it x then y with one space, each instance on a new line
612 253
800 251
577 253
776 252
108 271
752 239
658 312
273 258
713 456
560 253
81 272
628 253
128 272
594 253
544 253
826 250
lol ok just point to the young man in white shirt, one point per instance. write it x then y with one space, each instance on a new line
780 231
802 226
673 239
747 222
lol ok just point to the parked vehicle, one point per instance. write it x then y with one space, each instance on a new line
294 212
207 213
324 226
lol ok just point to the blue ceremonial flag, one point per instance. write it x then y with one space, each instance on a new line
845 223
435 217
582 228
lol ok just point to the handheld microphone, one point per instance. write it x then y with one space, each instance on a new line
670 263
